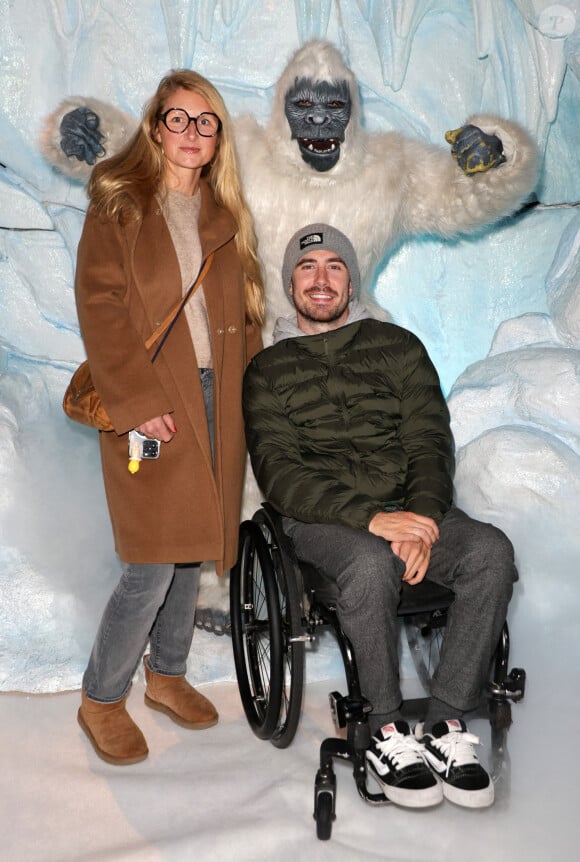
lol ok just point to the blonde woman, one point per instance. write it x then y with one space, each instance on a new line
157 209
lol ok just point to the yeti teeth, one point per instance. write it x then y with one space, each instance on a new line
331 147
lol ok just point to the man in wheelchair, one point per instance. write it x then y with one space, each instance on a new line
349 437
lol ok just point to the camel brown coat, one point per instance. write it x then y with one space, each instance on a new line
177 508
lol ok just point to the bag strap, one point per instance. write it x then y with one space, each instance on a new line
167 325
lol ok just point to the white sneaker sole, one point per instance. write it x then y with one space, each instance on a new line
469 798
424 798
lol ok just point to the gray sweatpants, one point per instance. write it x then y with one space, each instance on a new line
474 559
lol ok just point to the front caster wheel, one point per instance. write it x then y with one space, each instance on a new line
324 815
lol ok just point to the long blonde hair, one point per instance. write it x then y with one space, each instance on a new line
121 185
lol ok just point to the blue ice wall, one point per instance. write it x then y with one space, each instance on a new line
512 293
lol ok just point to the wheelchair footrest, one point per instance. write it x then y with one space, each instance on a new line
346 708
344 749
513 687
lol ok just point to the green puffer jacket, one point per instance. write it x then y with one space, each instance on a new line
345 424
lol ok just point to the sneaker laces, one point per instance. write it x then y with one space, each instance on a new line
403 750
457 747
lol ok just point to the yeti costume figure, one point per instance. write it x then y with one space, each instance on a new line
313 162
379 189
382 188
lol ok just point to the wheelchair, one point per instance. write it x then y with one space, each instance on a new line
275 612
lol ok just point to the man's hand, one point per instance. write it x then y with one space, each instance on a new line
160 428
474 150
404 527
416 556
80 136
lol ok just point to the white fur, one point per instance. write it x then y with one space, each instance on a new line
116 127
384 186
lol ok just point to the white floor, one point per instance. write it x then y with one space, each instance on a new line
222 794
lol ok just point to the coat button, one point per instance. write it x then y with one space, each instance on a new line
220 331
232 329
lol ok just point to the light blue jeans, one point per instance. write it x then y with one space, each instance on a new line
152 602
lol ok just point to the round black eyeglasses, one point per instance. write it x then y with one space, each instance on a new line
177 121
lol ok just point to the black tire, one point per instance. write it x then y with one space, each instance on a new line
293 649
323 815
257 631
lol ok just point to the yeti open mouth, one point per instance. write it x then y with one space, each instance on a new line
328 145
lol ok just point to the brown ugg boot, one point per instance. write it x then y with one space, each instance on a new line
112 732
174 696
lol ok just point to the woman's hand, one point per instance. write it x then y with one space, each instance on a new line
160 428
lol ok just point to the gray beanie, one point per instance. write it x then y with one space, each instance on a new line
321 236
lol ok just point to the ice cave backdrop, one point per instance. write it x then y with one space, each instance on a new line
500 314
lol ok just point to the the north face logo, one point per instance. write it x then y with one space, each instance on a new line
311 239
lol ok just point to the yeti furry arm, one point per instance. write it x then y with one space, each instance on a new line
439 198
115 126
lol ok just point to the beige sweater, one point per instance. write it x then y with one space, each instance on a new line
181 213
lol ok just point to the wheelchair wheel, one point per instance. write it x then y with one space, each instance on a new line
257 631
292 643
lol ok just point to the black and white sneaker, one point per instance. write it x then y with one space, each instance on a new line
449 752
396 760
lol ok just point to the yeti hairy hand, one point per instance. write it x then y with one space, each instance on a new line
474 150
81 137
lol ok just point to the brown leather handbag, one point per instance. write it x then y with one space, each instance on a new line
82 402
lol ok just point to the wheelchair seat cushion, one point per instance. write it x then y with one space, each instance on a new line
424 597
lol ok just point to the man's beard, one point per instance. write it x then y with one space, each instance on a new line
323 314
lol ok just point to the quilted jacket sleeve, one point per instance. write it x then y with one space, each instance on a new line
425 435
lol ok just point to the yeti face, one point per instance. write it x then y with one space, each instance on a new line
318 113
